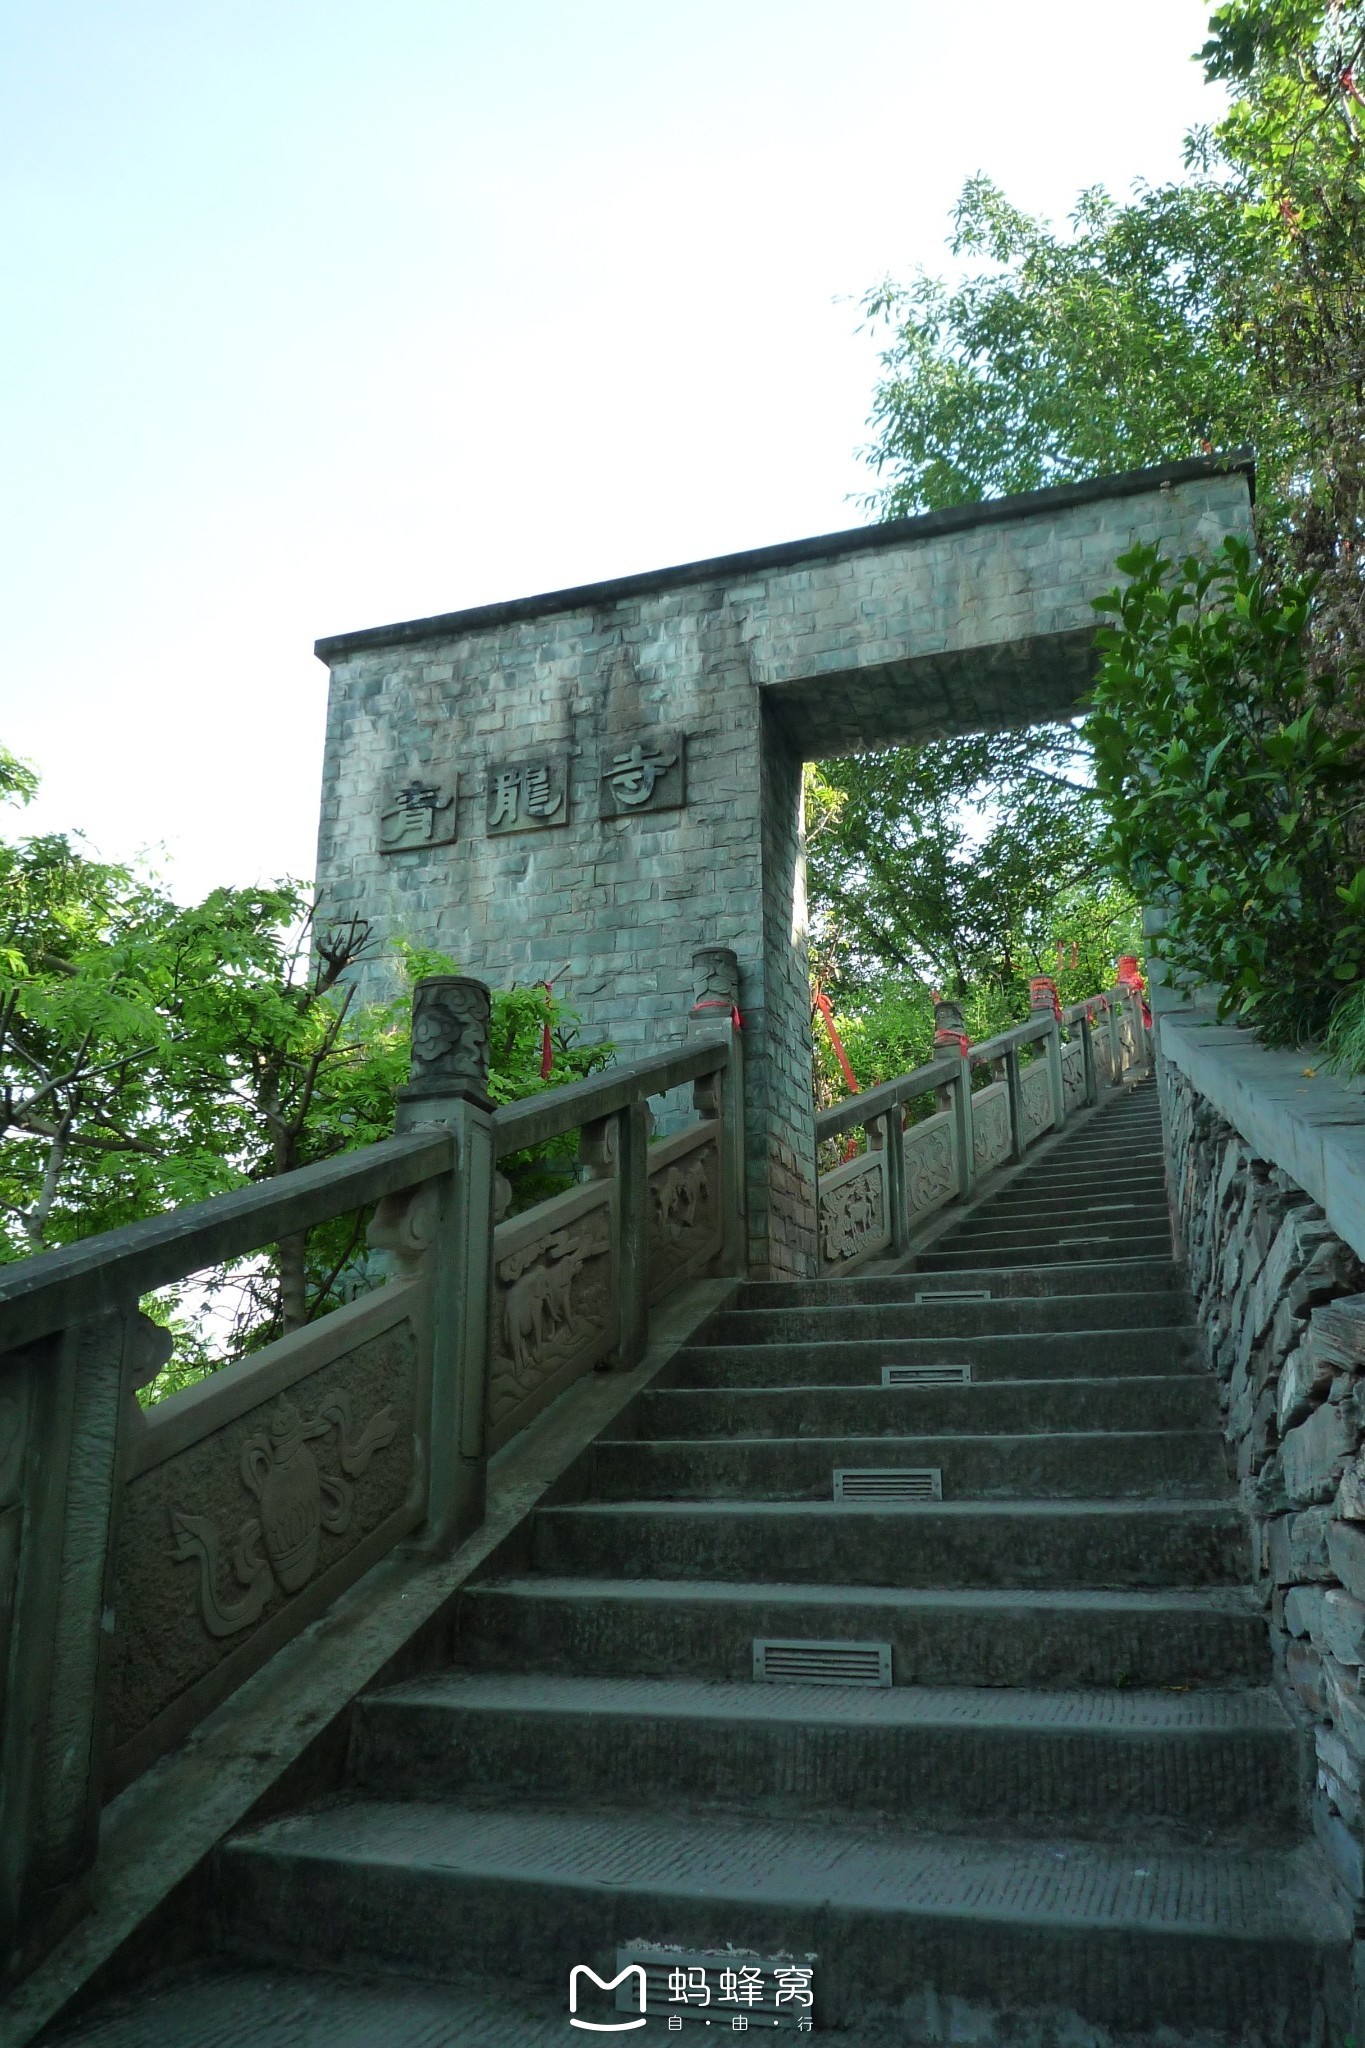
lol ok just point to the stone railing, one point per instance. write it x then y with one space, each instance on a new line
875 1203
1266 1165
151 1559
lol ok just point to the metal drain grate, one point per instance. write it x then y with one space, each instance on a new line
946 1373
716 1985
953 1294
812 1663
888 1482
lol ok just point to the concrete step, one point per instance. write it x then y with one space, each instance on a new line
1092 1764
1120 1936
1039 1219
943 1543
227 2007
1081 1181
1090 1354
1037 1254
1211 1636
1065 1199
1006 1407
1092 1465
1158 1308
1115 1275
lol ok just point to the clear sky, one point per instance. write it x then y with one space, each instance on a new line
324 313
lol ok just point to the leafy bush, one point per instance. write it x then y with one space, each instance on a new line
1230 777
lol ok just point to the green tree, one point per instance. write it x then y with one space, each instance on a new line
153 1054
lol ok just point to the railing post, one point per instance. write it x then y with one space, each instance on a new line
632 1192
1114 1025
67 1407
448 1086
897 1194
963 1133
1042 997
1092 1085
1015 1096
715 1014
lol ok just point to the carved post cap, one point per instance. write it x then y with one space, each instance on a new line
950 1026
715 976
1042 995
450 1018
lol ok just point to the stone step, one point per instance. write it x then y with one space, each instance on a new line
942 1543
1090 1354
1157 1308
1121 1275
987 1233
1038 1254
1120 1936
1092 1465
970 1637
1003 1406
1083 1181
1093 1764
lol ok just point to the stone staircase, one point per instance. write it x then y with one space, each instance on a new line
1074 1817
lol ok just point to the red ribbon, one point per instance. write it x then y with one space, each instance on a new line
826 1009
719 1003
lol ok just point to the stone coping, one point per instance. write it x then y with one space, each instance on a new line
790 554
1288 1107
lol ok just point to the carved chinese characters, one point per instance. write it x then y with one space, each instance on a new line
643 771
418 814
524 796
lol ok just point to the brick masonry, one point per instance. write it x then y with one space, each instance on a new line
924 627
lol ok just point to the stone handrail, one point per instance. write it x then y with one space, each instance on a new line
152 1559
872 1205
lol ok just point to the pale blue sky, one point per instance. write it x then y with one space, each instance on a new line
322 315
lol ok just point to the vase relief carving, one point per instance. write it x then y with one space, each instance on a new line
930 1171
278 1547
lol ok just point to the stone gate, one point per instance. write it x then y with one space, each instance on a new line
589 786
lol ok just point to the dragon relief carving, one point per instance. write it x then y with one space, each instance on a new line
297 1502
551 1306
851 1214
930 1170
681 1205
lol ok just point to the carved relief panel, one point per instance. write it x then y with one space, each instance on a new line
1035 1089
853 1218
554 1310
684 1207
1073 1074
930 1165
254 1498
990 1127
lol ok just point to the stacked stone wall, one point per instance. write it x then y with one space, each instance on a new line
1280 1303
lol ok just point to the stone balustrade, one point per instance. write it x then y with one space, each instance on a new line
874 1203
152 1559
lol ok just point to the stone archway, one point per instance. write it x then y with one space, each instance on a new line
590 785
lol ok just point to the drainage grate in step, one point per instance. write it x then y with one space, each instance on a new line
813 1663
952 1294
888 1482
945 1373
735 1988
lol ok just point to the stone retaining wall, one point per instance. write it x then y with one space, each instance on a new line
1280 1303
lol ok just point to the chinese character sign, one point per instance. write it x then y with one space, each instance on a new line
418 814
524 796
643 771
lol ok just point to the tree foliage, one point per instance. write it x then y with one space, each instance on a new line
1226 307
153 1054
1232 785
